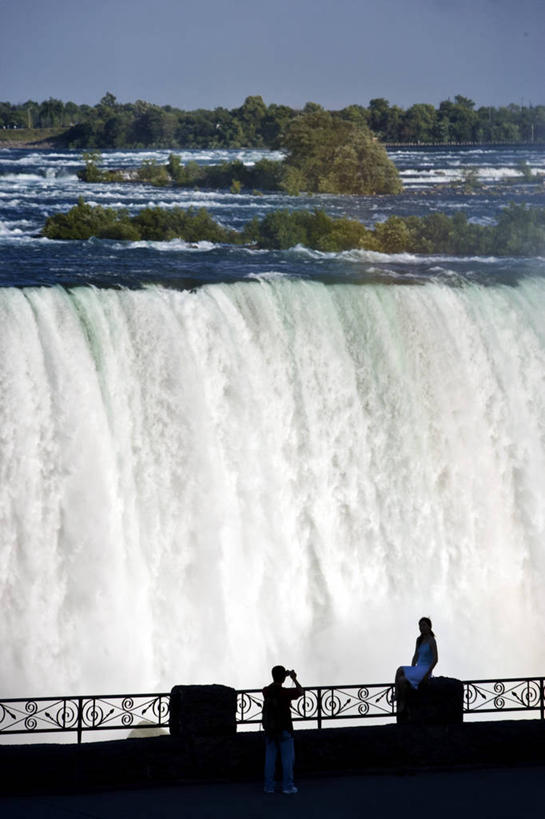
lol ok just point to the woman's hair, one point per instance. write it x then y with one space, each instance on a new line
421 636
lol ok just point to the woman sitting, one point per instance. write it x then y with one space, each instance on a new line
423 662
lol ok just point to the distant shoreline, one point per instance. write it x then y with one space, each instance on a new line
46 139
31 138
30 146
47 145
464 144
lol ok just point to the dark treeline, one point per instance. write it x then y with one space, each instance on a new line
110 124
518 232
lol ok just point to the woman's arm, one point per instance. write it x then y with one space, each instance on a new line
434 658
415 655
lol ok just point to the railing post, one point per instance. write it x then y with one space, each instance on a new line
160 711
80 719
319 707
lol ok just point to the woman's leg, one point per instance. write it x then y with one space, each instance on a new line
401 685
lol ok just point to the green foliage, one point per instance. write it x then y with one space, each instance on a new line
154 224
332 155
251 116
92 172
265 174
110 124
293 180
393 235
153 173
520 230
189 175
193 225
174 167
283 229
84 221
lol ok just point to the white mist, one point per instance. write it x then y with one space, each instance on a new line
196 486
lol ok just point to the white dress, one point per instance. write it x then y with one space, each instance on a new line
424 658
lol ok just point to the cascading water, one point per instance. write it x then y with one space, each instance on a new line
197 485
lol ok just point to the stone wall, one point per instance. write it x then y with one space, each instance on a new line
170 760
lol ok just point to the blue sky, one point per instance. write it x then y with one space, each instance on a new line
206 53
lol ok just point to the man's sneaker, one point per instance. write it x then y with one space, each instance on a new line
293 789
268 790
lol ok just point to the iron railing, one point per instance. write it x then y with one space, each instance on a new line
326 703
104 712
318 705
342 702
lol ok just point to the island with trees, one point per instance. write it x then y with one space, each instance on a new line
323 154
519 231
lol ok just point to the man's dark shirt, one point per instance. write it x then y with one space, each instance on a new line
283 697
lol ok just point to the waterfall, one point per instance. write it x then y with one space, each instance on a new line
199 485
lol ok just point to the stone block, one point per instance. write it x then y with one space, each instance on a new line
203 710
439 701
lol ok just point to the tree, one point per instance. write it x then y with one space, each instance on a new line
356 114
332 155
153 126
312 108
251 116
115 131
274 124
418 123
463 121
108 101
51 112
378 115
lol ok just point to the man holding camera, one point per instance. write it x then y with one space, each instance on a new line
278 728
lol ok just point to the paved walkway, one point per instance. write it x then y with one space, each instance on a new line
486 794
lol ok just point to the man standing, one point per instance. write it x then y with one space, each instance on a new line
278 728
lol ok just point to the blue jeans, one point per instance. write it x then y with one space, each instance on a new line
284 746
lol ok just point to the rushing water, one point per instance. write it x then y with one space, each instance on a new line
220 458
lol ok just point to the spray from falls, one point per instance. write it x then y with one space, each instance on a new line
199 485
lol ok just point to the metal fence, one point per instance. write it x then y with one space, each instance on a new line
331 703
104 712
318 705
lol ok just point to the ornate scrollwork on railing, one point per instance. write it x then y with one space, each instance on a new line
358 701
40 714
318 704
84 713
489 696
306 707
249 705
123 712
64 714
